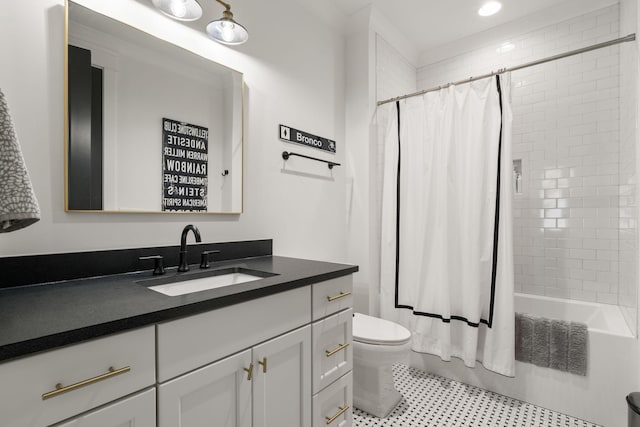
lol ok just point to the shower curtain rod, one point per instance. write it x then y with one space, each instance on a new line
629 38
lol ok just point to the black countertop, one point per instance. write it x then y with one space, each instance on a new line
42 317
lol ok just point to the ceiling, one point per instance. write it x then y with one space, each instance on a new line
431 23
425 24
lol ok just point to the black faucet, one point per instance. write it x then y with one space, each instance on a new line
183 246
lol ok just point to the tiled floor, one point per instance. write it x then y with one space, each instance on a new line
433 401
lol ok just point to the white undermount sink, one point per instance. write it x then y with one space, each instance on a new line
180 284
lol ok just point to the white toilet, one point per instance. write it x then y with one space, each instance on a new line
377 345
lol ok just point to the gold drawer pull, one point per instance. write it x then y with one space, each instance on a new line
249 371
60 389
340 295
342 410
330 353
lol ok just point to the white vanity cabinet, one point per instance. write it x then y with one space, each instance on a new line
53 386
267 385
333 352
218 394
333 406
332 336
282 360
282 381
266 381
195 341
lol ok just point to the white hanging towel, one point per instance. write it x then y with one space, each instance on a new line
18 204
446 238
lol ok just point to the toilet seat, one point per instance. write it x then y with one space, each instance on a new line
372 330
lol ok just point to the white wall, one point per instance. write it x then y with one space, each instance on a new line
379 62
359 109
294 74
395 74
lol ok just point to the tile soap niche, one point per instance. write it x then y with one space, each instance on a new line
517 176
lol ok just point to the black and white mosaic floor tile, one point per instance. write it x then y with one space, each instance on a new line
433 401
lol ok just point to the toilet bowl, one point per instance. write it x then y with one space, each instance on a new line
377 345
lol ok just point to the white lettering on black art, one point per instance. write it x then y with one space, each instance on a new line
197 144
185 166
185 129
296 136
307 140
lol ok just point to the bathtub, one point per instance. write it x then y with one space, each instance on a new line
599 397
600 318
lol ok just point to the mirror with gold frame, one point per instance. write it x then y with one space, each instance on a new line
150 126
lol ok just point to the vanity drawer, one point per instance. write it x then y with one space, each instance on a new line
333 406
332 296
195 341
332 349
91 374
138 410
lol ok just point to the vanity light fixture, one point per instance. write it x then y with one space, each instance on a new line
182 10
226 30
490 8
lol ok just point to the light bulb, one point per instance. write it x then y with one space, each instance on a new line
227 31
182 10
178 8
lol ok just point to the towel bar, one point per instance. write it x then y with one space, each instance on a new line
287 154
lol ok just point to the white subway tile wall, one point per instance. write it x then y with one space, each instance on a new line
574 223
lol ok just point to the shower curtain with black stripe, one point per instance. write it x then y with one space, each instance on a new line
446 221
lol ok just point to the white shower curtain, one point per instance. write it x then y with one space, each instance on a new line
446 222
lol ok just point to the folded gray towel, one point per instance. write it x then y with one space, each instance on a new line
555 344
18 205
577 348
541 338
524 337
559 341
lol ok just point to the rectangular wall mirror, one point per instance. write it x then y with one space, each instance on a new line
152 127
